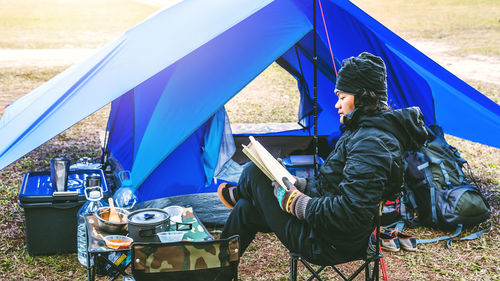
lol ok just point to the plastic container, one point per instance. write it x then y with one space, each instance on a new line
171 236
50 217
94 202
301 165
118 242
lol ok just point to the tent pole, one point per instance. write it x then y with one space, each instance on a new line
315 104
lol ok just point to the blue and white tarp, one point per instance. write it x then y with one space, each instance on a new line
168 76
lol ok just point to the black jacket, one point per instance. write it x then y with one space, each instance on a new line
350 184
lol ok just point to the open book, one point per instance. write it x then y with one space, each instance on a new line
267 163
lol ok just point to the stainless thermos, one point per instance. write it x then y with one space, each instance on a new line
59 170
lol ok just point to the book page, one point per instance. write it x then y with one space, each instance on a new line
267 163
255 158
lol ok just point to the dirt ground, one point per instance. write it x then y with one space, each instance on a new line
256 264
471 67
475 67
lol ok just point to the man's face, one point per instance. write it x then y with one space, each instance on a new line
344 105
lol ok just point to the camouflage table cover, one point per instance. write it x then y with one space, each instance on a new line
186 256
198 231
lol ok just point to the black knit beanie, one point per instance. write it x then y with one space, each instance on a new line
365 72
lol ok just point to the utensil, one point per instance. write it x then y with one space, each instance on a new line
113 215
102 215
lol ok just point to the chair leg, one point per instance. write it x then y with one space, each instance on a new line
339 273
235 271
293 268
316 273
368 273
313 271
358 271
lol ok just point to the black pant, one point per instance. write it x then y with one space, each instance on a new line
258 211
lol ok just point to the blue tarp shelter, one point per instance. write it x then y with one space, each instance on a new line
169 77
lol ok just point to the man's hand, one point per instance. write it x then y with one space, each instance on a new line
286 198
300 183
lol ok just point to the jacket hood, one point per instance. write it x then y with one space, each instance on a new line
406 124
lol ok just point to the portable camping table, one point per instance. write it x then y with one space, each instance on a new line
99 252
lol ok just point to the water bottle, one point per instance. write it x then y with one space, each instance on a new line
124 196
94 197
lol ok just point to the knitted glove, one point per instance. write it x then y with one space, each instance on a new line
301 183
288 198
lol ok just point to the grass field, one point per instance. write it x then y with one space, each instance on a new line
473 25
32 24
471 28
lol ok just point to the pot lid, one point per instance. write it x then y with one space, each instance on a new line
148 216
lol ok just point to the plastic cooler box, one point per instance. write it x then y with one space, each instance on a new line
50 220
301 165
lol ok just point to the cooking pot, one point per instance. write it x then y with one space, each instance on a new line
144 224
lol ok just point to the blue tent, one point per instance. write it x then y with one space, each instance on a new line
169 77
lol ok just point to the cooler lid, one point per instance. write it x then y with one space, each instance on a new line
37 186
301 161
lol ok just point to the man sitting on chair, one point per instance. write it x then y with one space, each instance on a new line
329 218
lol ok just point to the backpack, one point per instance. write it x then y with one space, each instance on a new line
436 192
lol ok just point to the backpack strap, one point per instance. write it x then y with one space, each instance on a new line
470 237
428 176
411 198
457 232
460 173
409 208
440 162
398 225
445 174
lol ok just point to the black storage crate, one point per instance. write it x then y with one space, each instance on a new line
51 221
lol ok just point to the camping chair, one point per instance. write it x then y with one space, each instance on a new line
187 260
374 254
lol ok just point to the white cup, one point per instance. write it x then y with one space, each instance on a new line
175 213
